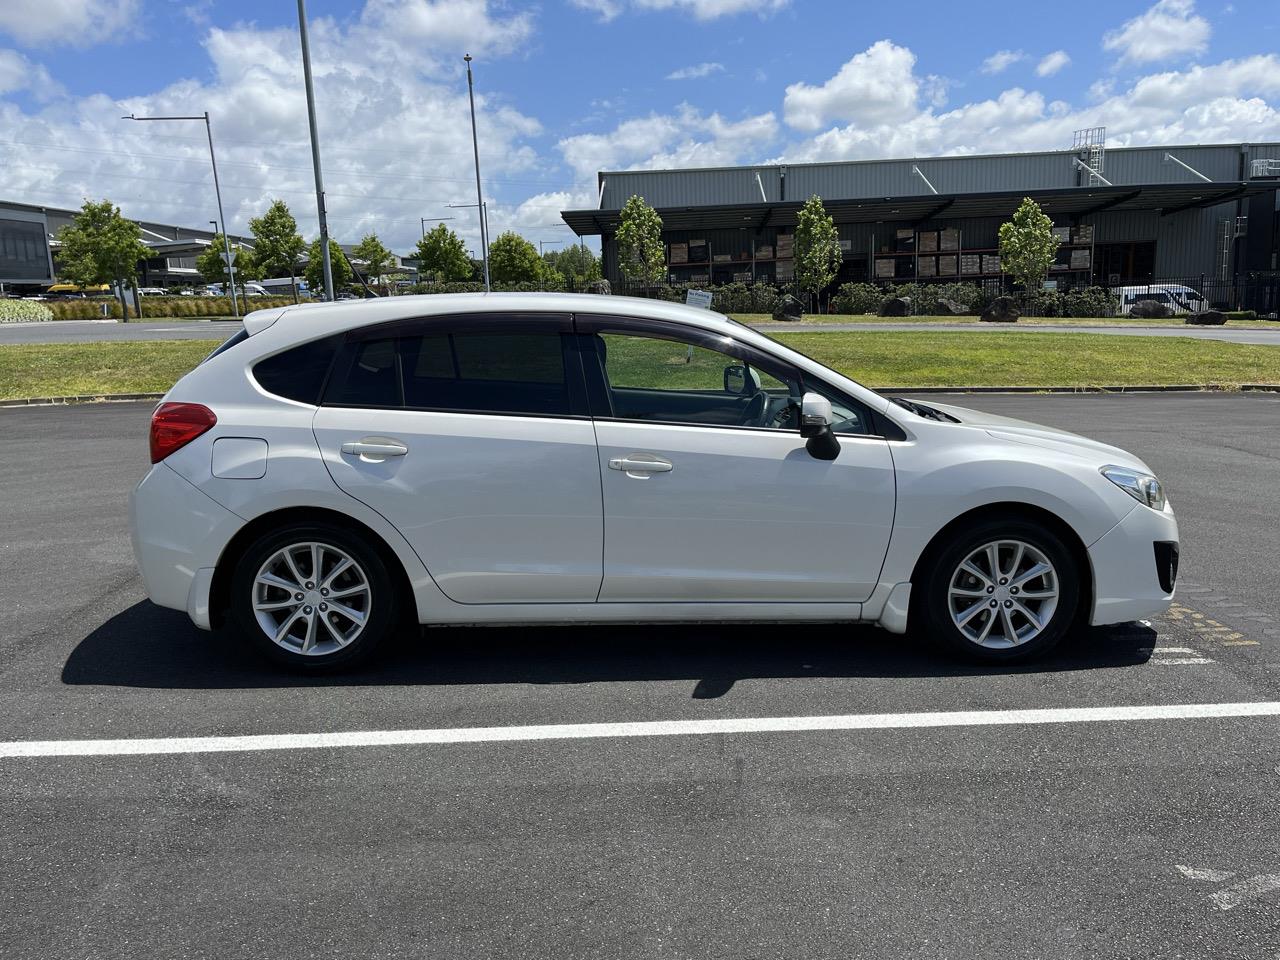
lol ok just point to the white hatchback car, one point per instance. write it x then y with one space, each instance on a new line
334 470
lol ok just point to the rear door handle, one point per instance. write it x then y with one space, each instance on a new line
644 465
372 448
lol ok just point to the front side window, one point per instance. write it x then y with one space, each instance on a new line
669 380
510 371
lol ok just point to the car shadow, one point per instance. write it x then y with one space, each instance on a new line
148 646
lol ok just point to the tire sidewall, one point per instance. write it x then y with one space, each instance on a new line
383 603
933 603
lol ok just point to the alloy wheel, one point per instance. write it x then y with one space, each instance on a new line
311 598
1003 594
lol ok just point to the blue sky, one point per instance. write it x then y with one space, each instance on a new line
570 86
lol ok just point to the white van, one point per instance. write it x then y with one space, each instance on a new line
1177 298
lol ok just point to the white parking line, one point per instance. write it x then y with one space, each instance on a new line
658 728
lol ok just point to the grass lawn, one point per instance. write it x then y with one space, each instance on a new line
825 318
920 358
72 369
951 358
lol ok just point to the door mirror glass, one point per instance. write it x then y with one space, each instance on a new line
741 380
815 427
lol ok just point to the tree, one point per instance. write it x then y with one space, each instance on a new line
816 247
442 255
100 247
213 269
513 259
376 257
315 267
276 244
640 252
575 263
1027 245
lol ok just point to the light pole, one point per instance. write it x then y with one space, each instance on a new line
315 151
426 220
484 230
548 243
475 148
226 243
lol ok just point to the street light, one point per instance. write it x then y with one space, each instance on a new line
548 243
484 229
475 147
426 220
226 243
325 261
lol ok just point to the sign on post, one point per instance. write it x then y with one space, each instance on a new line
698 298
228 259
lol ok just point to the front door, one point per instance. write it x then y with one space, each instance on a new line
470 435
709 492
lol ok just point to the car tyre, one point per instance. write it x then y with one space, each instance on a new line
998 591
339 605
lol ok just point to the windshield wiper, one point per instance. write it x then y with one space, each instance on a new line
920 410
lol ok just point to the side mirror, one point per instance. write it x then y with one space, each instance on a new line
740 380
815 427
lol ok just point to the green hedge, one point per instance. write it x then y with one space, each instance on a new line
161 307
22 311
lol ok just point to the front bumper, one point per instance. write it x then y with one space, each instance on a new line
178 535
1126 572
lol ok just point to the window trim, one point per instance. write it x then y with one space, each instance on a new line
551 324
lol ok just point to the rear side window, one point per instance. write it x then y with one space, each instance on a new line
482 371
299 373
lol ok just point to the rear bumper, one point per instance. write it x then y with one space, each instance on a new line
178 535
1127 571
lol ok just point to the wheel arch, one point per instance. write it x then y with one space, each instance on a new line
1018 511
224 572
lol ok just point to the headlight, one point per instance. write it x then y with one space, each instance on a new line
1142 487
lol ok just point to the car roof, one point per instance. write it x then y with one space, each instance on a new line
331 317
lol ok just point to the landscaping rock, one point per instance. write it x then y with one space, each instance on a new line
950 308
599 286
1150 310
1207 318
1001 310
788 309
896 307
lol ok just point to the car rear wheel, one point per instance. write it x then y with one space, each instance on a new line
1000 591
313 597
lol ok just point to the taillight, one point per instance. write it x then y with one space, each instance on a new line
174 425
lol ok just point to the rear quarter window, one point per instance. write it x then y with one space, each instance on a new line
298 373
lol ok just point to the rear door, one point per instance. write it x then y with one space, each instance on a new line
470 434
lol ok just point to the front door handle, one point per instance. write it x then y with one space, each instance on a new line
634 465
374 448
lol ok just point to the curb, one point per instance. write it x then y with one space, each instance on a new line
79 398
1140 388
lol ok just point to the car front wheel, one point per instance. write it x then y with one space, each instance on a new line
312 596
1000 591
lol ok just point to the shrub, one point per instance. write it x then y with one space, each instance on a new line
1242 315
1039 303
23 311
741 298
1090 302
75 309
858 298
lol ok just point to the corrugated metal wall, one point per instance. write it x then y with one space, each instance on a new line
891 178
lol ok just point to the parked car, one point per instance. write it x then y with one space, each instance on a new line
153 291
335 468
1177 298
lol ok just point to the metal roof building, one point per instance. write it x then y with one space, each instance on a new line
1123 214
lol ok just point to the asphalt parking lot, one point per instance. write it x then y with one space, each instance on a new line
1119 838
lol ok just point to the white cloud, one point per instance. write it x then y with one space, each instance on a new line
1231 100
701 9
395 129
1002 60
685 138
874 86
696 71
1165 31
19 73
1052 63
74 23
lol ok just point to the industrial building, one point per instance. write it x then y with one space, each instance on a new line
1123 215
29 246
